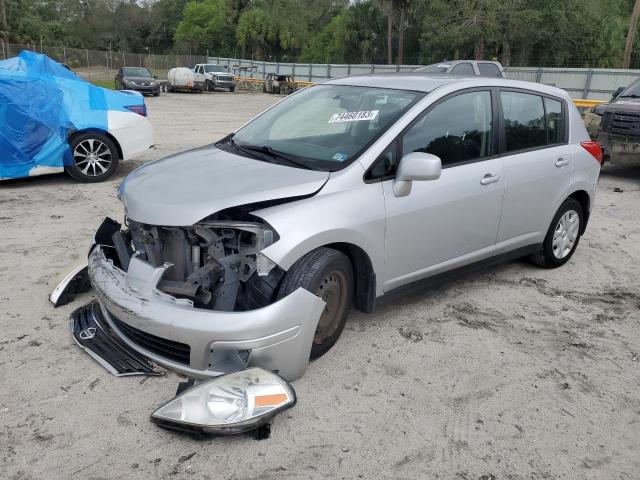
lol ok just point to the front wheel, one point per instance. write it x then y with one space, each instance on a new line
562 237
94 157
326 273
232 89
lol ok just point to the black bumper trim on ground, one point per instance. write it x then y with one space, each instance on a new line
93 334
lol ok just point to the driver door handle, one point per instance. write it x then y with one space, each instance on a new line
489 179
562 162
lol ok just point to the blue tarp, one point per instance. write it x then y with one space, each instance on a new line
41 102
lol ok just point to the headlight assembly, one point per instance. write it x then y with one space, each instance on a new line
233 403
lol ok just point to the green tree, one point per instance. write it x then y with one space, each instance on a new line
205 25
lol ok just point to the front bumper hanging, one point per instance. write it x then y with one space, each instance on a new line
197 342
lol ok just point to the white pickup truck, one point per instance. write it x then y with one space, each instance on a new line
214 76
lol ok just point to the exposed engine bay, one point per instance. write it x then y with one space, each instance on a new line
215 263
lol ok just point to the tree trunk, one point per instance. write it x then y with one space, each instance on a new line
478 48
399 58
506 53
4 28
390 34
631 35
456 54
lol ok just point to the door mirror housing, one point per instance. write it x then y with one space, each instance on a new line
415 166
617 93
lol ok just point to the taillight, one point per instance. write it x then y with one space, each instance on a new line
139 109
594 149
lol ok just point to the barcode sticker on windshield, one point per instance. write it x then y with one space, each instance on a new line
354 116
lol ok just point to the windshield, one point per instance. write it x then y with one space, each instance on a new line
214 68
325 127
632 90
136 72
439 68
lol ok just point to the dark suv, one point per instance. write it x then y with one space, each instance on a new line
139 79
616 125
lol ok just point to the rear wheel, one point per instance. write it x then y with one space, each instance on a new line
94 157
326 273
562 237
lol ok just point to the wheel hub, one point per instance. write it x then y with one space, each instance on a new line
332 291
565 234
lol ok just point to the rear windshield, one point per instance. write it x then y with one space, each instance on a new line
439 68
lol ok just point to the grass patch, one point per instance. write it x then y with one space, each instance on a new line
104 84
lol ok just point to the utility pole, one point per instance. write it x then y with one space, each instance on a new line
631 35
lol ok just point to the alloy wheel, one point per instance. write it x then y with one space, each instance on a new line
92 157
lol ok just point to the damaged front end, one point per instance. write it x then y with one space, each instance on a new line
202 299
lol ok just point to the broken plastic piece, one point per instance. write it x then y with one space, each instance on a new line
73 282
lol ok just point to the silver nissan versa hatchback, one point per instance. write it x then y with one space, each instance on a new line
253 250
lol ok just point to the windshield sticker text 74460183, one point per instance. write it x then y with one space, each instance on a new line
354 116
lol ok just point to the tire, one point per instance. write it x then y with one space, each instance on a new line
264 88
562 237
232 89
326 273
156 94
105 157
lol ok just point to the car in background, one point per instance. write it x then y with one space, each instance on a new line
252 251
482 68
53 121
138 79
616 126
276 84
214 76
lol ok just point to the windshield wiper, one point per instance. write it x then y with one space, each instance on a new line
265 149
630 96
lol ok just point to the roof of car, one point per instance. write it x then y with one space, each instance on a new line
427 82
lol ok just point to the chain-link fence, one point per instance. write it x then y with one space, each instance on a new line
101 65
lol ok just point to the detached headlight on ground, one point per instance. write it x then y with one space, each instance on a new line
229 404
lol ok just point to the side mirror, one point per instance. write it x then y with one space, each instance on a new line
617 93
415 166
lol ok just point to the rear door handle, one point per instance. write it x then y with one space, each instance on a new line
562 162
489 179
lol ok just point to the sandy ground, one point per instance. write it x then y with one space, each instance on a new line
513 373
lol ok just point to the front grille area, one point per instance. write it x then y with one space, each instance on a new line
625 123
174 351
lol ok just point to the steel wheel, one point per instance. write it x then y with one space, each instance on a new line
332 290
565 234
92 157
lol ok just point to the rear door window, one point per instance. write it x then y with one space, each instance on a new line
524 120
463 69
489 70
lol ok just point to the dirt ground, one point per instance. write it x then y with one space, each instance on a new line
513 373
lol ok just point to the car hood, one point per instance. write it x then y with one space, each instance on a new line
619 104
182 189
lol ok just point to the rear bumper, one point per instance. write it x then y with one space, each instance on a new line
202 343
